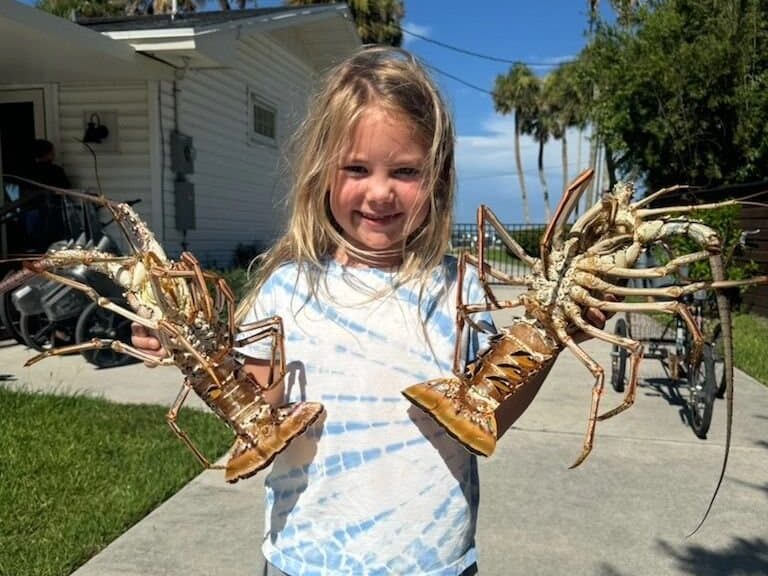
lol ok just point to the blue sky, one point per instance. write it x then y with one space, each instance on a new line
544 33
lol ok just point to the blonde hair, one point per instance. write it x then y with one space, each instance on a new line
393 80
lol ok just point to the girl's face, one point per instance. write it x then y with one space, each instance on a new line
376 193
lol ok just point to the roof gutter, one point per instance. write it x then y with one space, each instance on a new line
177 38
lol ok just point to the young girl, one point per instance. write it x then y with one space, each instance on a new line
367 298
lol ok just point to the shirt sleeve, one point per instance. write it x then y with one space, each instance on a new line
260 345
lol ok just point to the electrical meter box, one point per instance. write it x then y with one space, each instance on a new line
185 205
182 153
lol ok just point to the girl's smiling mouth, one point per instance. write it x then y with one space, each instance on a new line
380 219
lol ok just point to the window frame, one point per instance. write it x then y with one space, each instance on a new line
254 100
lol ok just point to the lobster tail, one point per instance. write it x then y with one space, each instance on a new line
265 438
446 400
472 409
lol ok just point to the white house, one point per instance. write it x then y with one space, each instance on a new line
197 108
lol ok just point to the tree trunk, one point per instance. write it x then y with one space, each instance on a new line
564 159
520 175
543 180
578 166
610 167
590 196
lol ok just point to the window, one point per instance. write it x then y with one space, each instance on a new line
262 120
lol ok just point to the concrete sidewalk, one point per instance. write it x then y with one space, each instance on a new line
625 512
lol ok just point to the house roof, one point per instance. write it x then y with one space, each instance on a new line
180 20
317 34
38 47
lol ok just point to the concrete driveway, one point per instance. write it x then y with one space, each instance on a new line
625 511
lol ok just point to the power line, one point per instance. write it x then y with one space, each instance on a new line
480 55
529 171
457 79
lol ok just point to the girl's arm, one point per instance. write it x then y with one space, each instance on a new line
259 371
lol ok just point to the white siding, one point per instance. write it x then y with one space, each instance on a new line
124 174
239 186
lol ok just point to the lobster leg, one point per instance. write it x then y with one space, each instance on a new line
634 348
486 215
100 300
597 389
97 344
172 416
268 328
554 232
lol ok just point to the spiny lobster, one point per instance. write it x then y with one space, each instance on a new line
586 265
192 312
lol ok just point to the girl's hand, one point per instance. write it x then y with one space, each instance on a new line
596 318
146 341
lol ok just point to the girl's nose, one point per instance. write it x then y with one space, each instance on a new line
380 188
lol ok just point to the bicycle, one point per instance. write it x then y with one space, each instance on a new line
670 342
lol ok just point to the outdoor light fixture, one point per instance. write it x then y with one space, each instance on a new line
95 132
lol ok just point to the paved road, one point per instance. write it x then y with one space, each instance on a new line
625 512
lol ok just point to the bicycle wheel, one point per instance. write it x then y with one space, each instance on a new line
98 322
719 359
701 389
41 333
619 358
9 316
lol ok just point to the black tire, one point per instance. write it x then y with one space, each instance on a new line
702 388
719 359
98 322
41 334
619 358
9 316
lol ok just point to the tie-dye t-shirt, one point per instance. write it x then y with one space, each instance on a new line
375 486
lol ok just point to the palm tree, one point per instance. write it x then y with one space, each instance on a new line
568 92
378 21
102 8
86 8
543 126
516 92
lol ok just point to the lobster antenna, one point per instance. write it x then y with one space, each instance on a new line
115 215
743 200
81 194
95 167
724 309
659 193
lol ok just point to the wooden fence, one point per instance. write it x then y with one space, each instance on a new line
756 218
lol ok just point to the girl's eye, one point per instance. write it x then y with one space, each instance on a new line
408 173
354 169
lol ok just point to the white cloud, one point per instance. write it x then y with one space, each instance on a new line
417 30
487 172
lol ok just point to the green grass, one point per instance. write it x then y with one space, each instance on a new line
77 472
750 333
